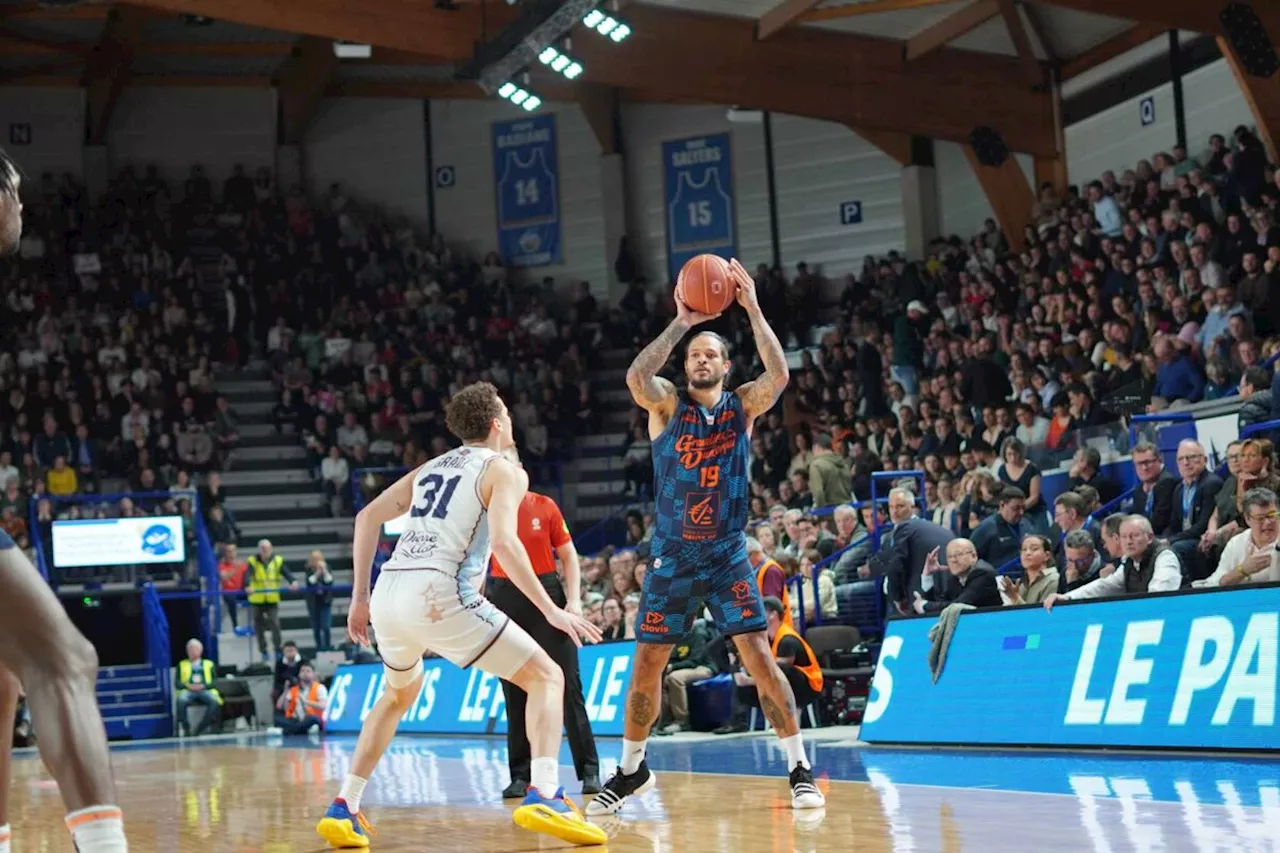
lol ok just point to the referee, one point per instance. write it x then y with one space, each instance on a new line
541 528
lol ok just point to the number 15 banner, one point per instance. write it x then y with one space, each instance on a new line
528 192
700 215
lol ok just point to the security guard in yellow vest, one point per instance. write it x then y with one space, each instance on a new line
195 687
264 579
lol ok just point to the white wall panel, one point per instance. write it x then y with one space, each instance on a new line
963 206
819 166
645 128
375 148
1115 138
178 128
56 117
461 133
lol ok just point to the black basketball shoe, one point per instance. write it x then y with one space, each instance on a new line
804 793
619 787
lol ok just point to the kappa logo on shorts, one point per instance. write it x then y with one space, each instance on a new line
654 623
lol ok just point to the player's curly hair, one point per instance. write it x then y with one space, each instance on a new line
471 411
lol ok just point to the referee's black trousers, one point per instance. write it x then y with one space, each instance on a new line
511 601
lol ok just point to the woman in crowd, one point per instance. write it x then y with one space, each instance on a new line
320 601
1021 473
1039 576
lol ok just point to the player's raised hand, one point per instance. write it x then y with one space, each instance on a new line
358 622
688 316
746 284
577 627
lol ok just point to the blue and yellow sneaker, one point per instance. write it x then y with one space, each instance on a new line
557 816
342 829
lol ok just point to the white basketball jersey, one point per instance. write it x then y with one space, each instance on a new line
447 527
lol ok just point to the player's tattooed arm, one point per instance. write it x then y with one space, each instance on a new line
648 388
759 395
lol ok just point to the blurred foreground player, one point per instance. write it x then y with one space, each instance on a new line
541 529
701 446
426 599
56 664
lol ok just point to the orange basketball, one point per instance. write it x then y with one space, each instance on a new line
705 284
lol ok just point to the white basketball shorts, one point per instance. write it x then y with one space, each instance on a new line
416 610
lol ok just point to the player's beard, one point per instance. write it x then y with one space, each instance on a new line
705 383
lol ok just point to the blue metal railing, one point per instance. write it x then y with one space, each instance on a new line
155 631
1254 429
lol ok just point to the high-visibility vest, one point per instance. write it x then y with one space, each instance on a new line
206 673
768 563
266 577
312 693
813 671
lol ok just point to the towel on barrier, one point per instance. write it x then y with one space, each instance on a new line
940 637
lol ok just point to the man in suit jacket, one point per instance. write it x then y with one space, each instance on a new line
1069 514
999 537
904 549
972 581
1154 496
1194 498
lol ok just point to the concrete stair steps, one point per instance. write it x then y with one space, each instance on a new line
284 451
320 526
233 480
278 500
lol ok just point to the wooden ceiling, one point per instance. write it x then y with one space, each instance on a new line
804 57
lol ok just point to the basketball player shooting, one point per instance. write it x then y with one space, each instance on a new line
459 505
701 450
40 648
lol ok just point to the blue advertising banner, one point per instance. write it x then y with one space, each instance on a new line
528 192
457 701
700 215
1177 670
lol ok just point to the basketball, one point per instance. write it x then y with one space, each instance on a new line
705 284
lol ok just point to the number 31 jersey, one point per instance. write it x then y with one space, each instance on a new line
701 480
447 526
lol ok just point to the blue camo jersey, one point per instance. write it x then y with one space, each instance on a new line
700 467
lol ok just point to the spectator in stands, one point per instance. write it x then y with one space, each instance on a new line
1251 556
222 530
1154 495
998 539
612 628
795 658
301 707
320 600
829 478
1070 513
1255 391
972 581
904 551
1086 470
1178 381
825 595
266 576
335 475
285 673
1081 563
770 577
231 575
195 677
1146 567
60 479
1194 500
691 662
1039 576
1017 471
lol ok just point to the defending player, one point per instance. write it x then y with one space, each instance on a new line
426 598
57 665
701 451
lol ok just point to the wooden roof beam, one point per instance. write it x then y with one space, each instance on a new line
873 7
414 26
951 28
301 83
1131 38
1009 193
1031 69
782 16
35 44
107 72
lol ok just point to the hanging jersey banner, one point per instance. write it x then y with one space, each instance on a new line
700 215
528 191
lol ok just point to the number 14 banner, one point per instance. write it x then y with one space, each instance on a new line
699 184
528 194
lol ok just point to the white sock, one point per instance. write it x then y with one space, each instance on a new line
98 829
632 755
794 746
5 835
352 791
546 776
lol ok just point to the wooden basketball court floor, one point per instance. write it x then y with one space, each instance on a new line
265 793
